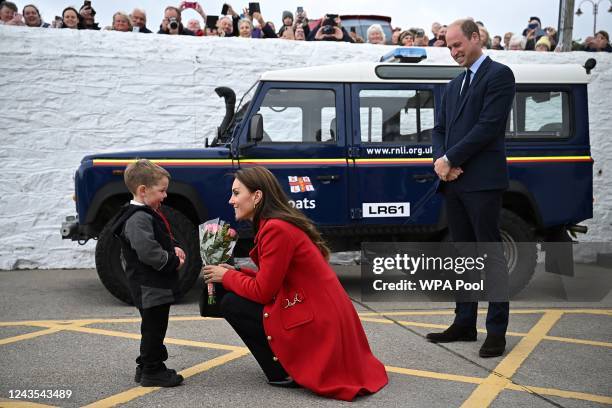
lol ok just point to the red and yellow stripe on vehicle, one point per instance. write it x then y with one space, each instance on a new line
326 162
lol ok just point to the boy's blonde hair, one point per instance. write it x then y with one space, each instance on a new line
143 172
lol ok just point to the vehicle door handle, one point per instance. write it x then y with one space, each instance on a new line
328 178
424 178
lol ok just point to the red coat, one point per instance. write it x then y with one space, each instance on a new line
311 324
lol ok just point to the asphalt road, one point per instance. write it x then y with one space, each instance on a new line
62 333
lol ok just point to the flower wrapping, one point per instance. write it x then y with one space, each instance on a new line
217 241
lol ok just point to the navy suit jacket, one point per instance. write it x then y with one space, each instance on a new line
471 130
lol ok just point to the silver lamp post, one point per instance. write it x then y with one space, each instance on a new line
595 5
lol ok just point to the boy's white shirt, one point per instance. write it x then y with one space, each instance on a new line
136 202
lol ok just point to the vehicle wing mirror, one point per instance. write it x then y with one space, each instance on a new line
256 128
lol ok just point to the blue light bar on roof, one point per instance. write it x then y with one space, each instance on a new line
405 54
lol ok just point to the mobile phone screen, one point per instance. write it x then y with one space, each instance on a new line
211 21
224 9
254 8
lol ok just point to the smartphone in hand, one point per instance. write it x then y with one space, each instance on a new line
211 21
224 9
254 8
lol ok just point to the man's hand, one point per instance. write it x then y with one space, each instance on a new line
454 173
16 21
181 256
442 168
180 253
257 16
445 172
231 11
337 35
200 11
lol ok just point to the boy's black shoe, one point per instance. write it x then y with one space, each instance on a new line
453 333
494 346
161 379
138 375
285 383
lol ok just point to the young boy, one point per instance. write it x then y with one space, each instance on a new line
151 263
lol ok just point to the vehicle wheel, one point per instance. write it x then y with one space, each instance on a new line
521 259
111 271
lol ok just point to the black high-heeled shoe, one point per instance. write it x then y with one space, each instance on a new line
285 383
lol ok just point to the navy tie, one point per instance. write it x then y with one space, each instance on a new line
466 83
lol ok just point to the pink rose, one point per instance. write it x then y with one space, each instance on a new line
212 228
232 233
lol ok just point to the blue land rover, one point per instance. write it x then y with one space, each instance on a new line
351 144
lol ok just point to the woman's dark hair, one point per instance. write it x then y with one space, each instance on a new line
79 18
10 5
275 204
30 5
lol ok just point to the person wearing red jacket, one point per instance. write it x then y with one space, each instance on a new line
293 314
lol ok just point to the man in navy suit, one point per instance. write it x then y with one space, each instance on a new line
470 161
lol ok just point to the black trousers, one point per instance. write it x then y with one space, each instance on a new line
153 328
246 318
474 217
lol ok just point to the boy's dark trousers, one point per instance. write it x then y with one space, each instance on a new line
153 328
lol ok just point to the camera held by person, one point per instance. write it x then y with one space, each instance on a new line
330 29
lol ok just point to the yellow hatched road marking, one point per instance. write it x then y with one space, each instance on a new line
100 320
440 312
6 403
28 336
510 386
137 392
552 392
444 312
435 375
488 389
495 383
578 341
514 334
168 340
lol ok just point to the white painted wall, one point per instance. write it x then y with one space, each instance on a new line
65 94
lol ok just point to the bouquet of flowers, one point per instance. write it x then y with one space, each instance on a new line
217 241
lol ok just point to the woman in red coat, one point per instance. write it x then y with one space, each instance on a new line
293 314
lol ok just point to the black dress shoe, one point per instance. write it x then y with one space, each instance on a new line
161 379
453 333
138 375
285 383
494 346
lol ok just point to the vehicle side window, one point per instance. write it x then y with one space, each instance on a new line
299 116
396 116
538 115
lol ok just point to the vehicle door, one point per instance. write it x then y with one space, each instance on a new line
304 145
392 176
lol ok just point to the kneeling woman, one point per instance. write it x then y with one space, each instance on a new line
293 314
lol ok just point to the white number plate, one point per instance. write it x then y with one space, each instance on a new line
371 210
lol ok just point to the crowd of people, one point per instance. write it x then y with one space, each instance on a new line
251 24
